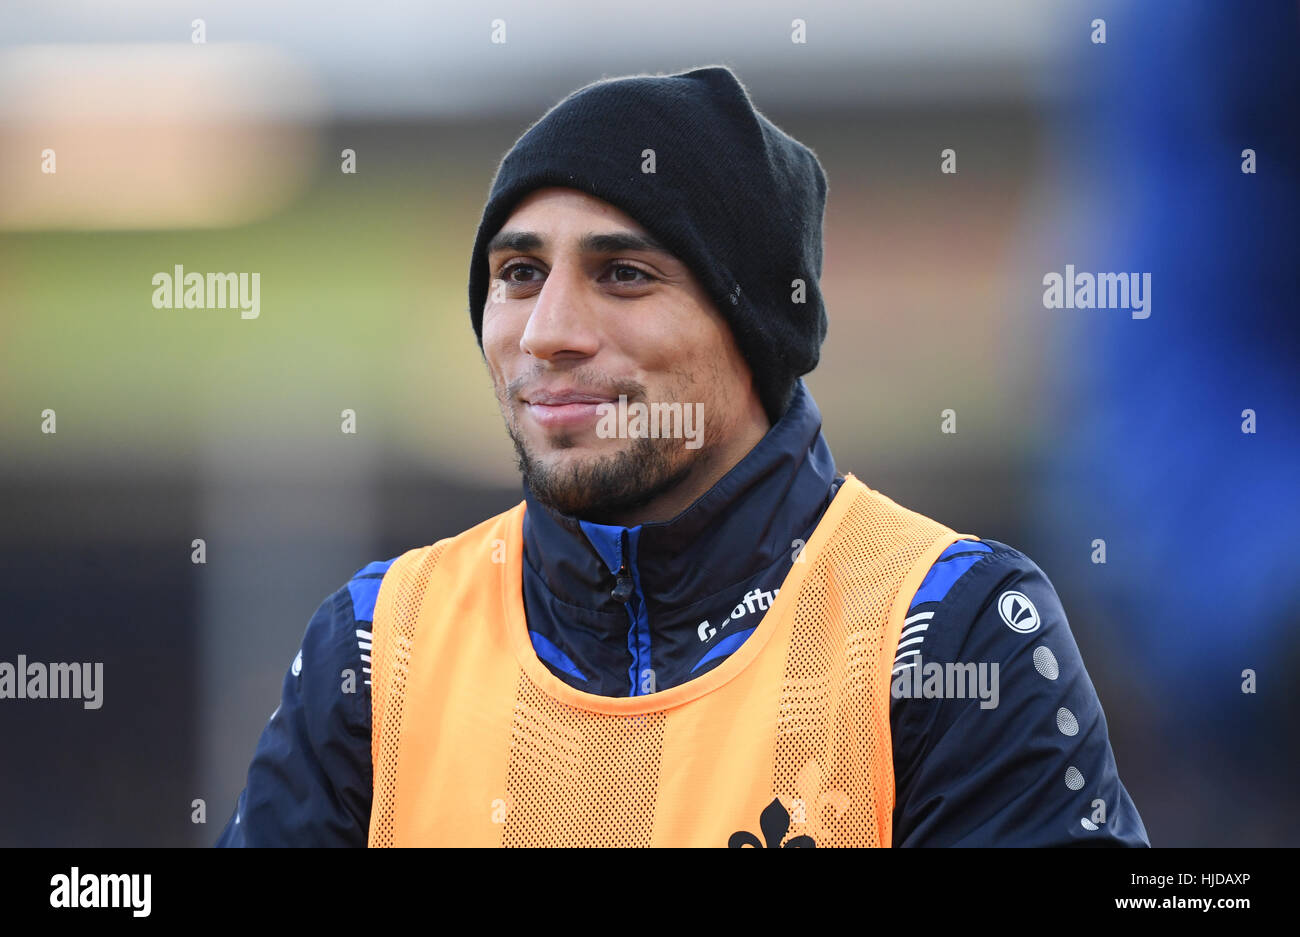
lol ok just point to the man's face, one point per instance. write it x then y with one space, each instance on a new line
583 306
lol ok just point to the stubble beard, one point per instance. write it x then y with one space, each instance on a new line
603 488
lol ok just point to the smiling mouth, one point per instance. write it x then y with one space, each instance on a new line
569 409
564 413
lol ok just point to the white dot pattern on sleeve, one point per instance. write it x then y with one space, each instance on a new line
1066 722
1045 662
1073 779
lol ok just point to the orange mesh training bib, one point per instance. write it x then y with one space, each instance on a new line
786 742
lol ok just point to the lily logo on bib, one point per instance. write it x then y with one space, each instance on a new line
775 823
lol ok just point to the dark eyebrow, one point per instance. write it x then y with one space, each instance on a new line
622 241
522 241
527 241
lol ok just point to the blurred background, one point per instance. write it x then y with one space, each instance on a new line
1073 425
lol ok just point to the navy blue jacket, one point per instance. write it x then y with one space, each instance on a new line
627 611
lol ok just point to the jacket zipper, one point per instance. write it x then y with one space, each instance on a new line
624 588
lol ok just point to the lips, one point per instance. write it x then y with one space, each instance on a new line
564 408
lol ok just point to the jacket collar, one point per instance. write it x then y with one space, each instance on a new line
742 525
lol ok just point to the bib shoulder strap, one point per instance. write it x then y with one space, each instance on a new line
402 594
879 518
882 531
397 609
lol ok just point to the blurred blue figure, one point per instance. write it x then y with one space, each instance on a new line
1200 519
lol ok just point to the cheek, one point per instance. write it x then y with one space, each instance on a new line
500 343
675 343
703 349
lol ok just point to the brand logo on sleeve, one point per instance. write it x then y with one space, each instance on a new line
1018 612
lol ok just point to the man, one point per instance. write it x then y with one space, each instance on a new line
693 630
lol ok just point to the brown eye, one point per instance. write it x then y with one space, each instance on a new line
626 273
509 273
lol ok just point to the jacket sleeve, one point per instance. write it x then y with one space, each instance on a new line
309 783
1026 761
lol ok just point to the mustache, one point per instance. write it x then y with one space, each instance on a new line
587 381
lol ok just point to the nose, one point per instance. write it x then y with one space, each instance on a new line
562 323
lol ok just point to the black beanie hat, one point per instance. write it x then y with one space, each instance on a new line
736 199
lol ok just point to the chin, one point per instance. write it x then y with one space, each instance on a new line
563 448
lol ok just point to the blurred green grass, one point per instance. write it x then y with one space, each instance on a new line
362 306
